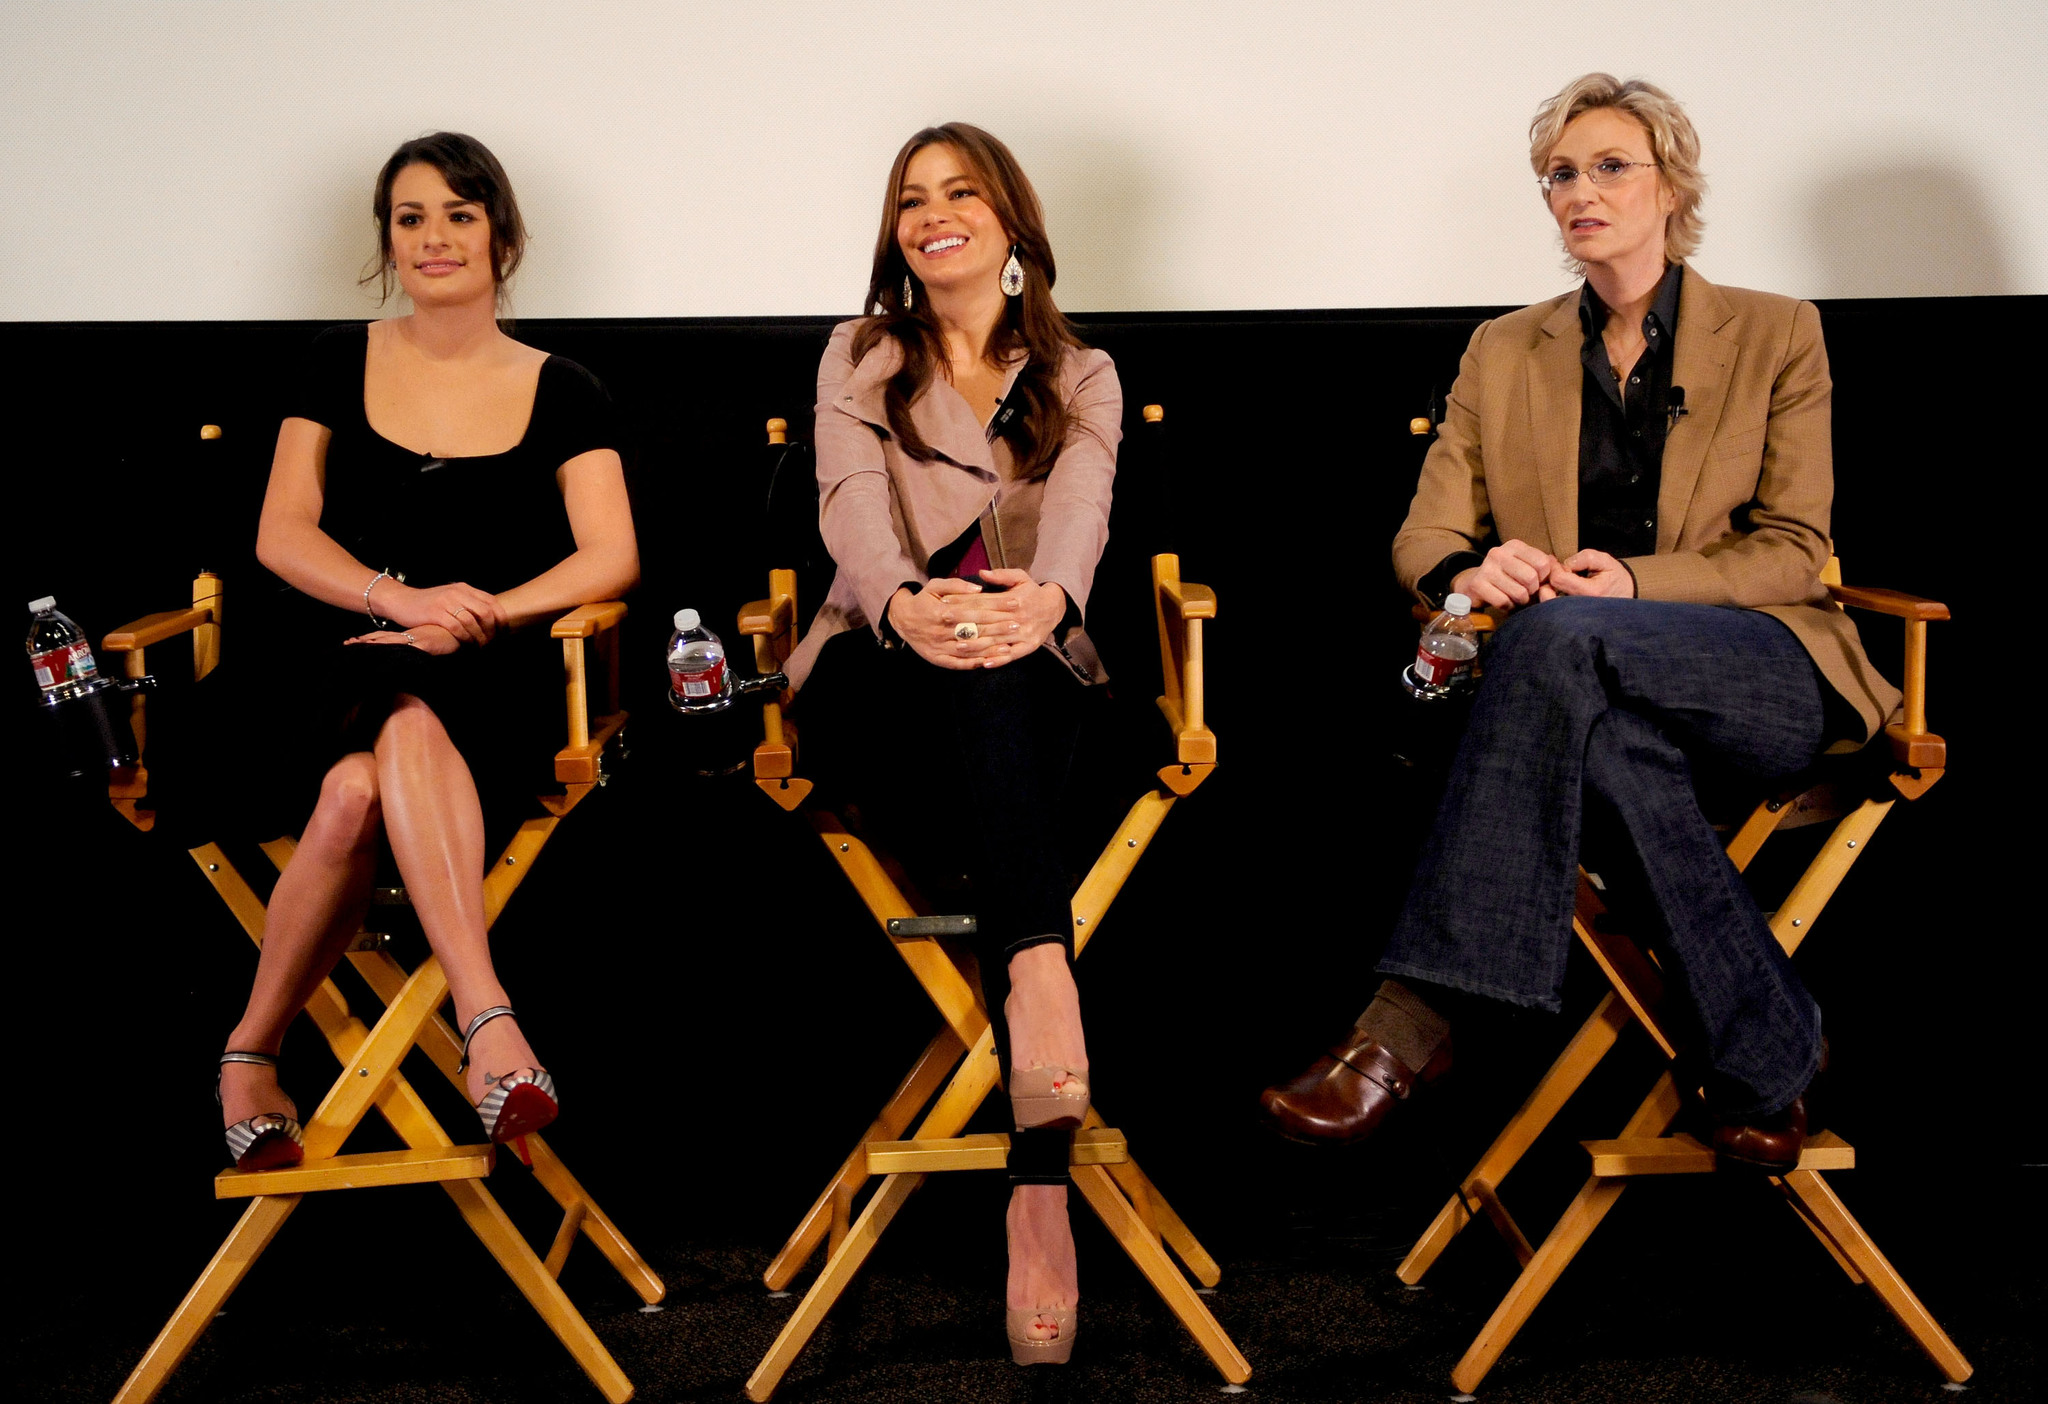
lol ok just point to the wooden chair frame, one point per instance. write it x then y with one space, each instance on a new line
370 1054
942 1089
1646 1144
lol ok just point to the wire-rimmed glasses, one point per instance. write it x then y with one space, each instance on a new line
1564 179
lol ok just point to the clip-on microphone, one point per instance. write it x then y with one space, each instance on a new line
1674 404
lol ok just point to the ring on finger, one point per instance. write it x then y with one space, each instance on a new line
967 630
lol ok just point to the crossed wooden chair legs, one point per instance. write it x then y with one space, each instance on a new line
370 1077
1646 1145
1128 1204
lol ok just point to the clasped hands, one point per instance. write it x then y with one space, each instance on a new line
437 620
1515 573
1007 626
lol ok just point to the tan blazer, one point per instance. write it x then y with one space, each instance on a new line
1748 473
883 513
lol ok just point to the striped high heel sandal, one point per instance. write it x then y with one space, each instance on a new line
268 1140
519 1103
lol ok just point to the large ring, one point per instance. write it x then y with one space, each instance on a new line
967 630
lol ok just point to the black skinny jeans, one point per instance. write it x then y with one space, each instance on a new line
964 769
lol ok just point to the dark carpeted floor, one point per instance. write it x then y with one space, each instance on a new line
1664 1305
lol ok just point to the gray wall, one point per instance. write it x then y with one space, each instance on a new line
212 161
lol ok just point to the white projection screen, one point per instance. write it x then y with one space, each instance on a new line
213 160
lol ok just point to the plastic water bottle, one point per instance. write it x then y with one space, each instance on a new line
58 652
1444 659
697 675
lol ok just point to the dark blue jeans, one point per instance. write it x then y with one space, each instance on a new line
1622 700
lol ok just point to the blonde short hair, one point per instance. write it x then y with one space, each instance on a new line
1673 142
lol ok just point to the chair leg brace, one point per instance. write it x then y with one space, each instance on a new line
370 1059
1126 1201
1632 1000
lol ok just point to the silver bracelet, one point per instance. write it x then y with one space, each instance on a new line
380 575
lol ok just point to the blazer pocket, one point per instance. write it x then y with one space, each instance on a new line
1747 444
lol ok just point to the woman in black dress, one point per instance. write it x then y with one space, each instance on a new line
437 488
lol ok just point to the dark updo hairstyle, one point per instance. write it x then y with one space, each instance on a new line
473 173
1031 322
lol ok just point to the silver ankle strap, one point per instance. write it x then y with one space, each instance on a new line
262 1060
496 1011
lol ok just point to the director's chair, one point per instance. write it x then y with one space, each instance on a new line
370 1053
1855 790
958 1069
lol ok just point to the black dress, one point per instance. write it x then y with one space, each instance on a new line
494 522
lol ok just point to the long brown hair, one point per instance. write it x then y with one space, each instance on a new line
1031 322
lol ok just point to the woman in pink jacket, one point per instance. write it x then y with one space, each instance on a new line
966 446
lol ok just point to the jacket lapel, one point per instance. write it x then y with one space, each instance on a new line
1703 363
1554 379
943 418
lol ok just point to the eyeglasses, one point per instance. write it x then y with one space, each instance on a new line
1607 172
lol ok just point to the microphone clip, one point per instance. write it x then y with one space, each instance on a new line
1674 405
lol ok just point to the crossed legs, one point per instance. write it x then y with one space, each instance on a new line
1011 732
1043 1013
414 786
1623 698
983 754
1614 701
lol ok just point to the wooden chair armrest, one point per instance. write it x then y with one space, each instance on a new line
767 617
1913 745
1193 601
588 621
1896 603
1181 609
155 628
577 763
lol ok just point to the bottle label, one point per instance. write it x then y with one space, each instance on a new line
1447 665
1433 671
708 682
72 662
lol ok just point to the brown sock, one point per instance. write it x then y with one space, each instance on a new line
1404 1024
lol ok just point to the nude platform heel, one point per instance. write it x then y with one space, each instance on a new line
1052 1098
1027 1351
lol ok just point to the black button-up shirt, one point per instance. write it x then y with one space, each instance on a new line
1621 437
1622 426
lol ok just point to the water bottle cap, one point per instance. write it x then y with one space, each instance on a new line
687 619
1457 604
47 602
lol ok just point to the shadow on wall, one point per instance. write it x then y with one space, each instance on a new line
1102 209
1872 234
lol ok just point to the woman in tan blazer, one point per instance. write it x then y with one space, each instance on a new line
966 446
1638 474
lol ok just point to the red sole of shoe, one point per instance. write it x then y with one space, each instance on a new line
273 1151
527 1109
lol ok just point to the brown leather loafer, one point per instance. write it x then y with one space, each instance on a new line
1770 1144
1346 1093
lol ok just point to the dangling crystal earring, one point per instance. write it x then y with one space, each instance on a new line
909 297
1013 275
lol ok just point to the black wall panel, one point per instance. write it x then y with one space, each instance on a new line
684 937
